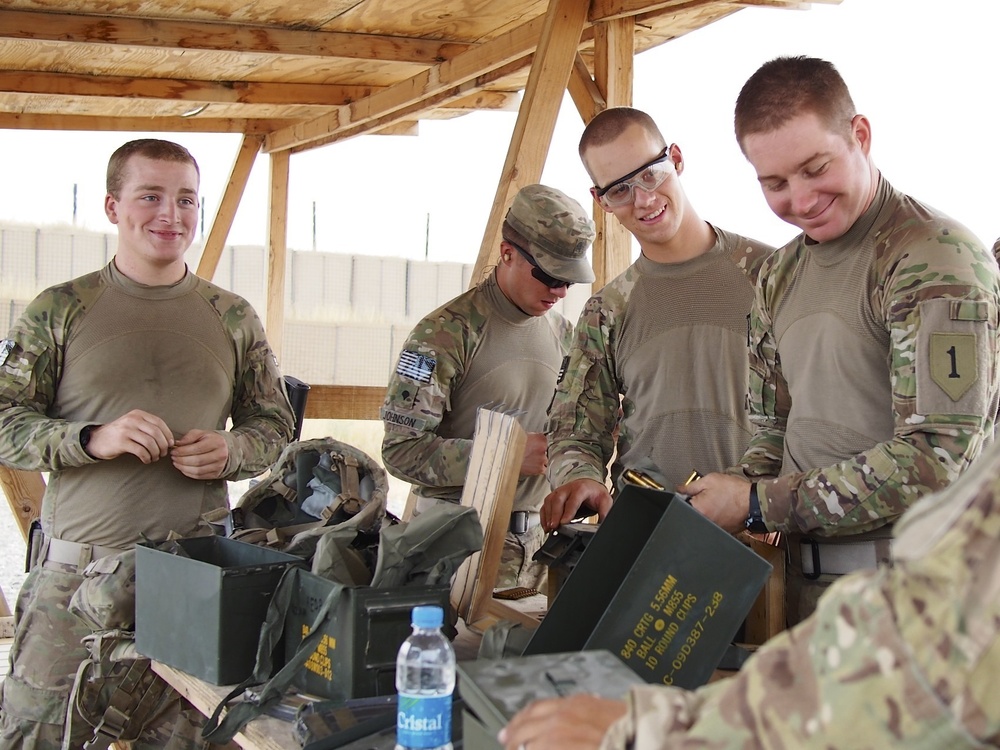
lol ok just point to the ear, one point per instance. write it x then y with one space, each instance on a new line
111 208
505 251
861 132
676 157
593 192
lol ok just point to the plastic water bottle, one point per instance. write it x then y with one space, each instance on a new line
425 679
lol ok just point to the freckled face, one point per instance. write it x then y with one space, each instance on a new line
812 177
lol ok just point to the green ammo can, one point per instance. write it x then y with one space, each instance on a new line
203 613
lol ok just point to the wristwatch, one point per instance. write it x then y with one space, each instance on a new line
85 438
755 520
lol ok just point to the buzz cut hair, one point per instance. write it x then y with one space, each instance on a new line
610 123
151 148
786 87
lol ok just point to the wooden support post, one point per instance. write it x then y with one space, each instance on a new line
223 222
536 119
490 484
767 616
277 249
24 490
614 51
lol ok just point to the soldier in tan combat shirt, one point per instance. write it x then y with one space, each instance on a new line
499 343
120 384
657 377
873 340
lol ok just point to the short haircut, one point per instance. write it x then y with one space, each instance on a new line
609 124
786 87
151 148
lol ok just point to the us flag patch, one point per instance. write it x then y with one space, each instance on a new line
6 347
415 366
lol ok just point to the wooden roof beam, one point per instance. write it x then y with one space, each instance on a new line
210 92
220 92
420 89
222 37
38 121
605 10
587 97
418 108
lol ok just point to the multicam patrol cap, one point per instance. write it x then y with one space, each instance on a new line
557 229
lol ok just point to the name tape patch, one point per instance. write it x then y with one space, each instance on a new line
416 366
405 420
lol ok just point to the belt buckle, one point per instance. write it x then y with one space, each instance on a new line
814 549
518 522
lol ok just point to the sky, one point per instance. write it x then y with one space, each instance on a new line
925 72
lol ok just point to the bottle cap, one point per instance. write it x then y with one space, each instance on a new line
427 617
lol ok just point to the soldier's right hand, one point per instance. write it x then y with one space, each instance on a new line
535 459
139 433
562 504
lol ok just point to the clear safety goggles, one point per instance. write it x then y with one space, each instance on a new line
649 176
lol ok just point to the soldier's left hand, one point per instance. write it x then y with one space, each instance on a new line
577 722
722 498
200 454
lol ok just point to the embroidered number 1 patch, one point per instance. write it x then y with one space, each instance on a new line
954 363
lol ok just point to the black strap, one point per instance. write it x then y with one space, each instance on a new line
254 704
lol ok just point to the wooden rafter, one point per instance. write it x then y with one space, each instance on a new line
219 92
166 34
466 67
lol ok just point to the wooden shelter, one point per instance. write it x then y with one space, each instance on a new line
295 75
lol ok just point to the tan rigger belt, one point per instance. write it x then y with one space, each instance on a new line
74 553
825 558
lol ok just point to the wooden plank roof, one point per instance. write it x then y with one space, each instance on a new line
303 73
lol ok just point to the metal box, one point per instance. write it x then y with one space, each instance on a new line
356 655
660 586
494 690
202 614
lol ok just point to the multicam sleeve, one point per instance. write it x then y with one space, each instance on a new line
30 365
585 410
430 366
263 422
940 306
767 397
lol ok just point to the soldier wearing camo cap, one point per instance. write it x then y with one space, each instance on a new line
901 658
120 384
659 358
873 340
500 343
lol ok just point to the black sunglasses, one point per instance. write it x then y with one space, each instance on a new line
538 274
